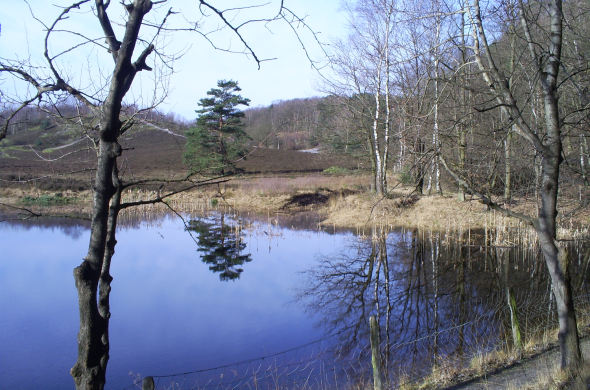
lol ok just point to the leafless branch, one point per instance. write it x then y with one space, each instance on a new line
62 156
29 214
485 199
160 199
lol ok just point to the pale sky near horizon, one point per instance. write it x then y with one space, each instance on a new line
289 76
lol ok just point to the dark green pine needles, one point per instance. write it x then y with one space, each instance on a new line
218 141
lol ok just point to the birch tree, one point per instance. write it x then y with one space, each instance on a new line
362 65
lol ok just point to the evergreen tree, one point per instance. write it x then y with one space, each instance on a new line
218 139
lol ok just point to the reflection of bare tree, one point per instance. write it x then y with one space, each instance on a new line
445 291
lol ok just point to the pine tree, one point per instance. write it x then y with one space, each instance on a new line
218 139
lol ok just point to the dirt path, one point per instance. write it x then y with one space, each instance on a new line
523 374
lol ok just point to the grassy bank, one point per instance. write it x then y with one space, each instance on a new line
537 367
341 201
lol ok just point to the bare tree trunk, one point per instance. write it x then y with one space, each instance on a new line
387 122
549 147
462 161
104 307
546 227
93 343
466 98
90 368
376 150
373 164
508 167
435 133
508 140
420 147
558 261
584 152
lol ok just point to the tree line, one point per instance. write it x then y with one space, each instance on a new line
494 95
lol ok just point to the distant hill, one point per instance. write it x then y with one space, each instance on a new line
42 147
286 124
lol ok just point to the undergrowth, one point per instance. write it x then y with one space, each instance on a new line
47 200
337 171
448 370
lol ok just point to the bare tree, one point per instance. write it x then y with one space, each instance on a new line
362 65
104 118
541 30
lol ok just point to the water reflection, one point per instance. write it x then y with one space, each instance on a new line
71 227
221 244
169 312
436 296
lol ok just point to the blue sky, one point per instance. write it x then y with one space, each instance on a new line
290 75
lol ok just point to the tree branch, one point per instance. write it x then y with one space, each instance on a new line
487 200
30 212
160 199
107 28
235 29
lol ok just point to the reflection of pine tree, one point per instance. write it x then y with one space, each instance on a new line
221 247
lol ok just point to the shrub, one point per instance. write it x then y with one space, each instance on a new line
336 171
47 200
45 124
406 177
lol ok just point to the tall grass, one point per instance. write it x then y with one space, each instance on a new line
290 185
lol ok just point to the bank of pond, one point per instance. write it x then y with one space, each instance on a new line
218 300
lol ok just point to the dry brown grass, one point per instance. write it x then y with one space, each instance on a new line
270 186
545 375
540 340
444 372
350 204
486 362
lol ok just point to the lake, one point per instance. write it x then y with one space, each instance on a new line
173 317
170 313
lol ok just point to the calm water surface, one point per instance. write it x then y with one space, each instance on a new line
170 313
434 294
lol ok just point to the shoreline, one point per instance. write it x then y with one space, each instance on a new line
338 208
334 207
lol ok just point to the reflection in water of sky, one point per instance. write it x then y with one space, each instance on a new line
169 312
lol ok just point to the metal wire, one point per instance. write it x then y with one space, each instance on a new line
326 363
